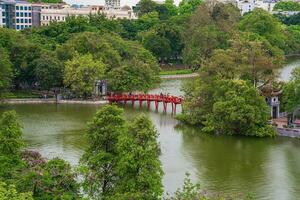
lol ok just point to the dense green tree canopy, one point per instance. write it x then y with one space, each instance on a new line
264 24
209 28
291 92
9 192
10 134
48 71
6 73
81 73
98 164
287 6
139 164
238 110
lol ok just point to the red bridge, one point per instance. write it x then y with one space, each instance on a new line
165 99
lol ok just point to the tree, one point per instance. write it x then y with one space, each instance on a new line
210 28
139 166
188 6
54 179
9 192
287 6
264 24
6 74
291 93
11 144
238 110
81 73
11 141
99 162
135 75
48 71
159 46
145 7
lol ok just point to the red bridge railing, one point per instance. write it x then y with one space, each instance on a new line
164 99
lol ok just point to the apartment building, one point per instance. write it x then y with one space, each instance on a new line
16 14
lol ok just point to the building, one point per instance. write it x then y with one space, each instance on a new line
248 5
50 15
112 4
16 14
19 14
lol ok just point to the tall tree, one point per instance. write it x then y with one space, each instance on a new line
291 92
99 162
238 109
264 24
48 71
81 73
10 134
139 166
6 74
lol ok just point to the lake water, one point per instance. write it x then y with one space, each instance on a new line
268 168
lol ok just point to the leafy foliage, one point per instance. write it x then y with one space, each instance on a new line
6 74
287 6
238 110
139 166
81 74
9 192
10 134
291 93
99 162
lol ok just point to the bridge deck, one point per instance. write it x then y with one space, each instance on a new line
165 99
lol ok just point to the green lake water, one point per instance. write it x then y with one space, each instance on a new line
268 168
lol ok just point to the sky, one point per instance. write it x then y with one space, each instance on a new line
101 2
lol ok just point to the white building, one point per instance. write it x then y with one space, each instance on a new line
2 18
50 15
248 5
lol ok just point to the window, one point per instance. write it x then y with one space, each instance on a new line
43 17
29 14
18 27
29 20
17 14
25 7
58 17
21 14
29 8
22 26
18 20
3 21
21 7
50 17
26 21
25 14
22 20
3 13
17 7
47 17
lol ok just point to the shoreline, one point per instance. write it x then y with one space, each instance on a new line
178 76
51 101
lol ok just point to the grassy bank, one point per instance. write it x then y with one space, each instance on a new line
176 72
23 94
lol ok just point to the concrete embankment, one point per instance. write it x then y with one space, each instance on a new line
177 76
51 101
288 132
